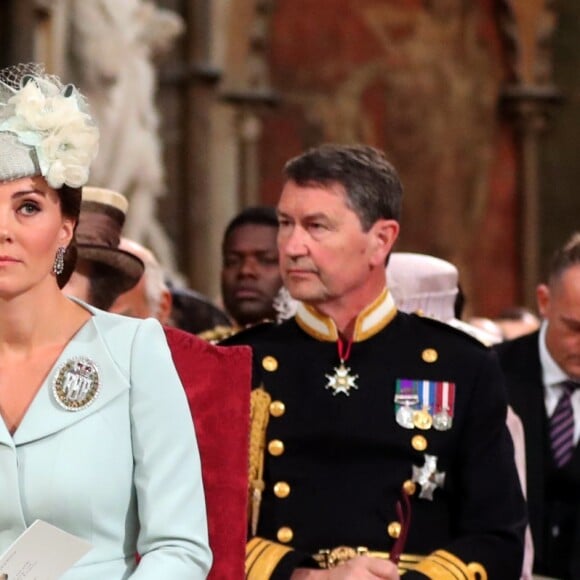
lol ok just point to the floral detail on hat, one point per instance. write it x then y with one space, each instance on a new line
54 121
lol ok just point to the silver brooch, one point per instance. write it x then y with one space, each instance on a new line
76 384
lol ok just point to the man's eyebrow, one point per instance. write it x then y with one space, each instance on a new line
310 216
316 216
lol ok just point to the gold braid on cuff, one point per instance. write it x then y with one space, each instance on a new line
262 557
443 565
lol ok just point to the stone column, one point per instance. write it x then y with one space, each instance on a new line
17 26
529 99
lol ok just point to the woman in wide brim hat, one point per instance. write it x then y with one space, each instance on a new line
98 234
103 270
95 434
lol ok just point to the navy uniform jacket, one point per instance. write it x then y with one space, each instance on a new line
335 465
553 494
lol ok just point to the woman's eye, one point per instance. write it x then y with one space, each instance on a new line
29 208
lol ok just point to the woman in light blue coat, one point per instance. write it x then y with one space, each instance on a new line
95 432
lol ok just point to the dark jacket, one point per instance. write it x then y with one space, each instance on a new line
553 494
345 458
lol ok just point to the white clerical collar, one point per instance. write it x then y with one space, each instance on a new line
370 321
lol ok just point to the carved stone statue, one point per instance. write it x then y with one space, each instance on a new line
113 44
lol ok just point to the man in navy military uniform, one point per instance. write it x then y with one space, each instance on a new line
377 436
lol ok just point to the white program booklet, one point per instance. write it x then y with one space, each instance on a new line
42 552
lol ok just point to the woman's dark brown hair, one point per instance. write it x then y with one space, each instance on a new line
70 205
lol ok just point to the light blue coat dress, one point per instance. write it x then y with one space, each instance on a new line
122 473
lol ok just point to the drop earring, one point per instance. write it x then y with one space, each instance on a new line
58 266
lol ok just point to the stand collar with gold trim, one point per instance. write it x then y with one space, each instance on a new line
369 322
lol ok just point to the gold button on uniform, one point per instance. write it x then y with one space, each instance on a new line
419 443
285 534
281 489
394 529
409 487
277 408
275 447
429 355
270 363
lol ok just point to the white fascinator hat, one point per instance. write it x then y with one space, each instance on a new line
45 128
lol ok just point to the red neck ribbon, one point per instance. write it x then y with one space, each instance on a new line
344 349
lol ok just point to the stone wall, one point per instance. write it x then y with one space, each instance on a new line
422 81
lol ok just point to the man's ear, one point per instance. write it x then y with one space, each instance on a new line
543 299
385 233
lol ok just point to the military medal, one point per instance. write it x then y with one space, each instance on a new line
421 404
404 416
406 397
444 405
442 421
76 384
342 381
428 477
422 419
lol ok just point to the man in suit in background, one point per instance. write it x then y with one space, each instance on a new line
542 371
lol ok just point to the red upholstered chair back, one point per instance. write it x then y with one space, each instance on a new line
217 381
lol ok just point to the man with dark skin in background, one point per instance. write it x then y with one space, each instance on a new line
250 277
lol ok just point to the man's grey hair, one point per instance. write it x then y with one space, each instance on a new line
154 274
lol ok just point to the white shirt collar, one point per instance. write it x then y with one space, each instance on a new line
552 374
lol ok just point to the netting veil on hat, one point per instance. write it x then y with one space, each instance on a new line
45 128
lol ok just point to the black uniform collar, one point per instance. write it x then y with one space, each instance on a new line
369 322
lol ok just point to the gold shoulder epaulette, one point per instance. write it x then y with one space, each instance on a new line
443 565
217 333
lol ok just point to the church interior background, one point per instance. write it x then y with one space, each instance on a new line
200 103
